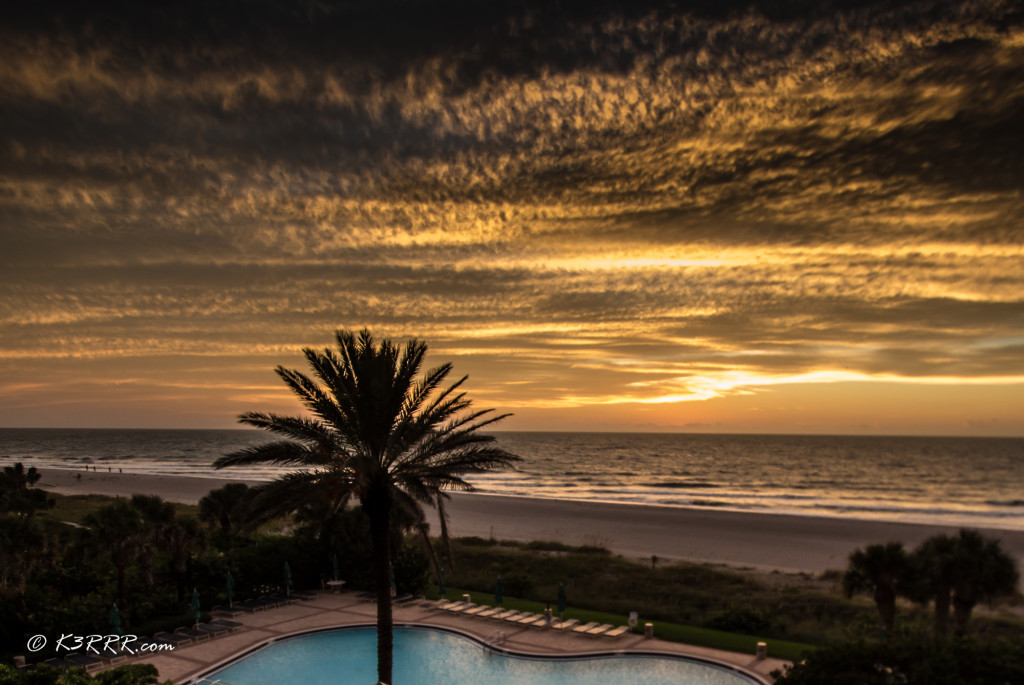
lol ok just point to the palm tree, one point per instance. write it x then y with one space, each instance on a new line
983 572
157 518
961 571
181 538
119 528
880 570
376 434
934 571
227 506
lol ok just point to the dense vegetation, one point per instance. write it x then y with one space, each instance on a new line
141 554
130 674
57 578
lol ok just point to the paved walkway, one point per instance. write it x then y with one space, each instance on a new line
185 664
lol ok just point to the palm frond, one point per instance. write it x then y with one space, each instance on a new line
281 453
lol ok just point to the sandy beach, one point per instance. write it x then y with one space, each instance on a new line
764 542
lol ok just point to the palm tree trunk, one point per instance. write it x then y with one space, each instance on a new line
380 531
962 609
885 601
942 599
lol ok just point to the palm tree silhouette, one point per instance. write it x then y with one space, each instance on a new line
376 434
983 572
960 571
880 570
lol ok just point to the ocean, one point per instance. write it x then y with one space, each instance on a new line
974 482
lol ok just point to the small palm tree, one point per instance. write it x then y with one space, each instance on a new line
934 564
118 528
983 571
376 434
227 507
880 570
960 571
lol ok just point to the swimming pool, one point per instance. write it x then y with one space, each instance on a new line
434 657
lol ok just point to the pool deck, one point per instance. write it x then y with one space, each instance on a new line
185 664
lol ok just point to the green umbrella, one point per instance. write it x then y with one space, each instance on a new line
498 590
195 604
561 599
440 583
335 567
115 620
231 591
287 579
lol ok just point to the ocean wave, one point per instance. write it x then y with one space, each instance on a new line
1005 502
679 484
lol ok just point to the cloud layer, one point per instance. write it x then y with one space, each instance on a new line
587 207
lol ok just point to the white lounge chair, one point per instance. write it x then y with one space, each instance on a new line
460 607
473 611
505 615
565 625
489 613
524 618
617 632
600 629
585 627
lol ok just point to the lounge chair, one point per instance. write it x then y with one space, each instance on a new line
214 629
445 606
476 610
600 629
462 606
233 626
525 618
173 639
617 632
539 622
194 633
565 625
230 611
505 615
89 663
282 600
527 615
59 663
404 599
304 595
367 596
585 627
489 613
254 605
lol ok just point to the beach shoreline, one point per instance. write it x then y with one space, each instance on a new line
760 541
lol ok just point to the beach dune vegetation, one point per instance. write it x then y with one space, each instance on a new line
376 433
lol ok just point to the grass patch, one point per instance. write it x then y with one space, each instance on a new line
74 508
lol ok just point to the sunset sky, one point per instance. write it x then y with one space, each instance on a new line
707 216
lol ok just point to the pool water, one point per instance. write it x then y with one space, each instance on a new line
432 657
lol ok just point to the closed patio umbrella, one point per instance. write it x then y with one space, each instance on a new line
440 583
561 599
115 620
498 590
287 580
231 591
195 604
335 560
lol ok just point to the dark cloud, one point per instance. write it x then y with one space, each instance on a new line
630 192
